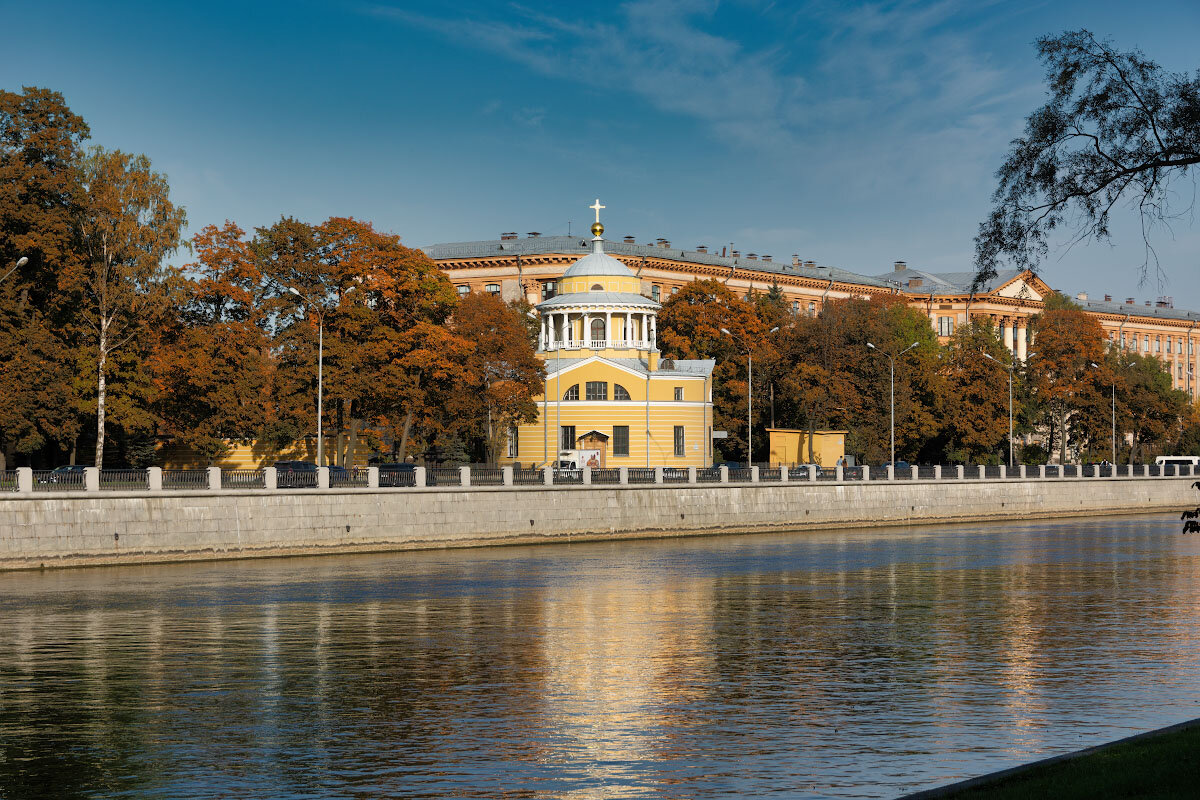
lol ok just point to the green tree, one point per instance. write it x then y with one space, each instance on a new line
125 227
975 396
1116 127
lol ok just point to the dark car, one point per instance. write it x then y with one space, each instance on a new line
398 474
71 475
295 474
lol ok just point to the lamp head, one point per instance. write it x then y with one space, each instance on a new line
294 291
726 332
871 346
773 329
22 261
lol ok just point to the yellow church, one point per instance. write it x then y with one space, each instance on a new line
611 400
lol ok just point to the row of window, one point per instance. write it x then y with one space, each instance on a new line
620 440
1173 345
598 390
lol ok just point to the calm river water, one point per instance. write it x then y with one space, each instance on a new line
854 664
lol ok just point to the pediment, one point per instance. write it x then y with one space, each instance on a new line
1025 286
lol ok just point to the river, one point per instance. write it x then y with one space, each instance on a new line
841 664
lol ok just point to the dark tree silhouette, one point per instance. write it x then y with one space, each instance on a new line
1116 127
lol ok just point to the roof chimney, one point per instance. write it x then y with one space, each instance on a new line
701 248
766 258
534 234
735 253
752 256
914 283
630 240
1147 304
796 259
810 264
899 266
1082 297
508 235
1108 298
1128 301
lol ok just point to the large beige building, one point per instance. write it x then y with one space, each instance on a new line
532 267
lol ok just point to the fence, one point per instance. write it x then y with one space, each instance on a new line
79 479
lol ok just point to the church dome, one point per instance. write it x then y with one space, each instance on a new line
597 263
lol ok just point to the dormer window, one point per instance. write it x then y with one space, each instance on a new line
597 287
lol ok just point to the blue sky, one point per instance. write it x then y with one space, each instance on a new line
854 134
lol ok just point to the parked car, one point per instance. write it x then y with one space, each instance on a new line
804 472
567 471
70 474
398 474
900 465
295 474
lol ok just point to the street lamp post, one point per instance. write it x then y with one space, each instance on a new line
892 364
749 398
1009 366
1114 416
320 312
22 261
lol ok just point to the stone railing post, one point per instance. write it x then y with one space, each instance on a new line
24 479
372 477
623 476
322 477
1022 471
891 472
91 479
866 473
658 475
754 474
587 476
154 479
464 476
270 478
419 479
1042 471
982 471
1145 470
960 472
724 474
548 476
812 473
691 475
839 473
506 475
214 479
1079 472
937 472
1003 472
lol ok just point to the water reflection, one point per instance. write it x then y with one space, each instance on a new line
847 665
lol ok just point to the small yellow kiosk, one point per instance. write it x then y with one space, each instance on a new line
791 447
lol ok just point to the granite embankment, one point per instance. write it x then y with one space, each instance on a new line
78 528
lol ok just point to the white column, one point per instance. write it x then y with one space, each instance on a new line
587 329
608 331
1021 334
1008 333
653 332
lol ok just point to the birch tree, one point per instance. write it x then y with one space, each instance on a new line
126 227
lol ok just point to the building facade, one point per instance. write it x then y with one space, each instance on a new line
608 391
533 268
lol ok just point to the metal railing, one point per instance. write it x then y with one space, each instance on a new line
641 475
185 479
247 478
53 480
129 480
403 476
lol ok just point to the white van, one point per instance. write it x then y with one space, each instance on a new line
1177 461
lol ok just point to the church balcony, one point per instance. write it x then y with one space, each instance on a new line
599 344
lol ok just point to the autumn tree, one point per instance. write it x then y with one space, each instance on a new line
975 397
1115 128
211 361
40 141
1149 409
1067 388
690 326
124 228
501 376
388 357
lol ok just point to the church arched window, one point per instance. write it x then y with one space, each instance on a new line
572 393
620 392
597 287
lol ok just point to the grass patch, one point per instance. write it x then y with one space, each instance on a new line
1162 765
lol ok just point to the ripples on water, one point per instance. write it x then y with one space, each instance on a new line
834 665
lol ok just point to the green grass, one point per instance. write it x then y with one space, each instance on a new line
1161 765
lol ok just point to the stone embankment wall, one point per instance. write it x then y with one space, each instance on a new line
76 528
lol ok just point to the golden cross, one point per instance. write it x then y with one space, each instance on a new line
596 207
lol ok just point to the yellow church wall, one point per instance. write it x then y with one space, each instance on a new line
610 283
662 383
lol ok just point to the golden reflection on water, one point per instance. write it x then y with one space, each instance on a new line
854 665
